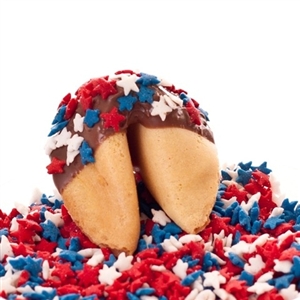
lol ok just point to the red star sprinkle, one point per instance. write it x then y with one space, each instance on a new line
70 110
65 100
86 102
125 72
193 112
261 178
56 166
112 119
105 88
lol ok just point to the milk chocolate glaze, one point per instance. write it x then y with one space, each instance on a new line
140 113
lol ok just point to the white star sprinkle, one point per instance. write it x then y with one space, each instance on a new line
70 156
157 268
283 266
5 247
22 209
160 217
62 138
56 196
290 293
265 277
185 239
78 123
127 82
148 239
123 262
227 203
14 226
260 288
50 145
180 268
192 295
74 142
255 264
168 246
206 295
160 108
172 100
97 258
108 275
260 241
254 198
54 218
171 244
213 279
25 289
45 269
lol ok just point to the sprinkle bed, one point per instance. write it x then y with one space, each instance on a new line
249 250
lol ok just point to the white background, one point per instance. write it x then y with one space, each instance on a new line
239 59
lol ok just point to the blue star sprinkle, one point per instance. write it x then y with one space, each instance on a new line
249 278
70 256
185 98
145 94
245 166
144 291
263 168
86 153
146 79
126 102
296 266
91 117
189 279
57 127
50 231
273 222
244 220
59 117
283 282
131 296
236 260
243 176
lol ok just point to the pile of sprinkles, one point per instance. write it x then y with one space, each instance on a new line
249 250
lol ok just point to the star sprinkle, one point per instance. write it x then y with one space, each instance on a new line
74 142
160 108
128 83
112 119
108 275
86 153
160 217
180 269
123 262
105 88
126 102
5 247
78 123
57 127
71 156
146 79
193 112
91 117
145 94
59 117
56 166
50 145
62 138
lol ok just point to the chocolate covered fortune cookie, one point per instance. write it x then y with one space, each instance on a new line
127 121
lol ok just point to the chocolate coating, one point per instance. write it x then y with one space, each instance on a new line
140 113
